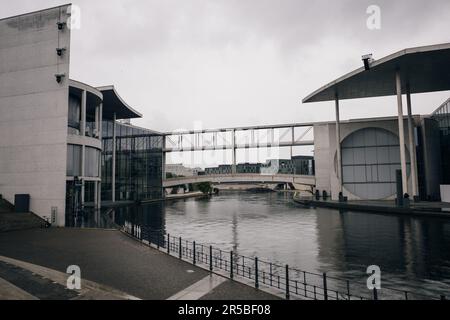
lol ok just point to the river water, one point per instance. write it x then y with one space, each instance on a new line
413 253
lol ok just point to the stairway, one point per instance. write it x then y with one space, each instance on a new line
12 221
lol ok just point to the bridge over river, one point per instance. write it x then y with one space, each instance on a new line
242 178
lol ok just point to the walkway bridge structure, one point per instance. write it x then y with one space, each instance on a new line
242 178
252 137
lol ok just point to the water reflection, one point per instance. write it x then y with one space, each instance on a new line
415 251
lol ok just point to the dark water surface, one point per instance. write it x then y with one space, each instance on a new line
413 253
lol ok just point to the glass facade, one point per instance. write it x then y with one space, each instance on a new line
139 162
91 162
370 158
73 160
442 116
74 115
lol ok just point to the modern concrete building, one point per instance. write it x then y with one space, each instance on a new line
53 129
409 71
371 155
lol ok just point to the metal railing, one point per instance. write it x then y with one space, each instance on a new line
292 282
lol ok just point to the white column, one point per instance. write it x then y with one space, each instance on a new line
412 147
338 144
113 175
96 195
83 148
292 141
233 139
83 113
97 117
401 131
100 136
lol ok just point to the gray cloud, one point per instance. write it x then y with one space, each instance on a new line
240 62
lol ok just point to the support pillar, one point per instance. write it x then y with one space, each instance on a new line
163 164
83 148
100 137
113 175
96 195
338 144
401 131
292 141
233 139
412 147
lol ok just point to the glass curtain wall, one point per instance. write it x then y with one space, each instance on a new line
442 116
138 163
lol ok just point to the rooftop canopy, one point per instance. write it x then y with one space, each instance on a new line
114 104
422 69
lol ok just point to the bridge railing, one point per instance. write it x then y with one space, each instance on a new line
291 282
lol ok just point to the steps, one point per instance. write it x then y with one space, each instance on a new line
12 221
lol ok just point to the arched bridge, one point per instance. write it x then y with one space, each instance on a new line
242 178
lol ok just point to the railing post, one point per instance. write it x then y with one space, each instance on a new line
210 258
168 243
256 273
158 239
325 290
375 294
231 265
180 247
271 274
287 283
348 290
194 259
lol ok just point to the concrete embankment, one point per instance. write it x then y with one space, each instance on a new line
428 209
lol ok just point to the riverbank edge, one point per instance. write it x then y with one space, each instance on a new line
378 209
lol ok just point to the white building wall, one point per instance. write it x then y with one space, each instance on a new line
445 193
33 109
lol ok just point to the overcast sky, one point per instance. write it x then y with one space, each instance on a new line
240 62
231 63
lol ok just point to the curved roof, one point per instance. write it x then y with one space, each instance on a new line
94 96
422 69
114 104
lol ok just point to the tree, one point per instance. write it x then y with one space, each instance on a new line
205 187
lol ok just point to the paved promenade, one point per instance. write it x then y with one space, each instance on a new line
110 259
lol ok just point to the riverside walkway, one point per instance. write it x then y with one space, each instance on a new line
107 259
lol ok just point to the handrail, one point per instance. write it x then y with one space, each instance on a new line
292 281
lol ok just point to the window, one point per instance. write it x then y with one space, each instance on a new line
74 114
370 158
91 165
73 160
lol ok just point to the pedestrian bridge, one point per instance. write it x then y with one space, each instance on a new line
242 178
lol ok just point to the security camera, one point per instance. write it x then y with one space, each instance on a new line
59 77
60 51
61 25
367 59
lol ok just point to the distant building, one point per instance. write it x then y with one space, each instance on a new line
251 168
222 169
179 170
303 165
278 166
